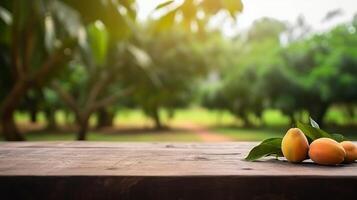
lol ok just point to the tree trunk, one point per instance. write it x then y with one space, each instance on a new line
246 121
157 120
259 116
105 118
33 115
9 129
51 121
83 127
8 108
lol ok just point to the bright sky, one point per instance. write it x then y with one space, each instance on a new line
287 10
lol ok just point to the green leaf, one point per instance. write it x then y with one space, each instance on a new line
271 146
314 124
50 34
166 21
312 132
273 141
338 137
98 40
161 5
66 17
6 16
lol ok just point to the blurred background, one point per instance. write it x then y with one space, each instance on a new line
176 70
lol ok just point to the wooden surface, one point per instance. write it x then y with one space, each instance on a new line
102 170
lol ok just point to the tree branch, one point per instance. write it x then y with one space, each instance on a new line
14 97
29 45
52 62
110 99
97 88
66 97
18 72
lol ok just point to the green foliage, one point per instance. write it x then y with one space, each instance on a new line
214 98
167 59
311 132
310 73
189 10
266 29
160 83
114 14
314 132
98 41
244 91
36 31
321 67
271 146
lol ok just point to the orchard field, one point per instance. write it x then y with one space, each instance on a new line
133 70
133 125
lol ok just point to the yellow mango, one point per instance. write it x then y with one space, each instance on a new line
295 146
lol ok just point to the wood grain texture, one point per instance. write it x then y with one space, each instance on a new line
104 170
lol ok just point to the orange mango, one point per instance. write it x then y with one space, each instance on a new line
326 151
351 151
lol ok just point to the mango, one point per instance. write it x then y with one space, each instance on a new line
295 146
351 151
326 151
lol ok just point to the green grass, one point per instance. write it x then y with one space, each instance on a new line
258 134
203 116
193 115
253 134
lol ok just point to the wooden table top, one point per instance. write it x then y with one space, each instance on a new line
185 171
150 159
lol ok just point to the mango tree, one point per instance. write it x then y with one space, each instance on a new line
175 45
40 38
91 82
244 84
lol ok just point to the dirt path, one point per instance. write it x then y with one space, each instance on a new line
205 134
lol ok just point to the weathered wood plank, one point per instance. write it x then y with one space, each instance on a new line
149 159
103 170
